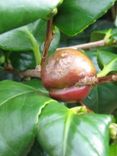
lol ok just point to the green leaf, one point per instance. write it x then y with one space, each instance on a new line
26 113
98 100
63 132
105 57
22 39
39 32
103 98
20 106
36 83
14 14
29 38
115 115
76 15
113 150
115 35
2 58
16 40
100 34
108 61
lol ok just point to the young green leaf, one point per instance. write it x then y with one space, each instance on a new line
108 61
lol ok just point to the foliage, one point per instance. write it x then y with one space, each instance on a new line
32 123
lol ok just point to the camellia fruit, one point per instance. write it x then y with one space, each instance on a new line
62 72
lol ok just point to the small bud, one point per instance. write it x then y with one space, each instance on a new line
80 110
113 131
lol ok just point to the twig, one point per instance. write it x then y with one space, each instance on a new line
106 79
85 81
87 45
49 37
97 80
31 72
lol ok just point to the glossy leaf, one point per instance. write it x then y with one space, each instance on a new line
62 132
100 34
98 100
24 38
105 57
113 150
21 12
20 106
29 38
109 62
26 113
17 40
2 57
103 98
76 15
115 35
36 83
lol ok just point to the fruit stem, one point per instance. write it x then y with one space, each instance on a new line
49 37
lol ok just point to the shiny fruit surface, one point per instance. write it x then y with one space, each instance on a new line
63 70
71 94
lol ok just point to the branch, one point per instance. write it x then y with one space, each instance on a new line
31 72
106 79
86 45
49 37
90 45
97 80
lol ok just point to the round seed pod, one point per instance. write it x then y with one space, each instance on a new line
63 70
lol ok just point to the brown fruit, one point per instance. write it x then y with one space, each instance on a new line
63 70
